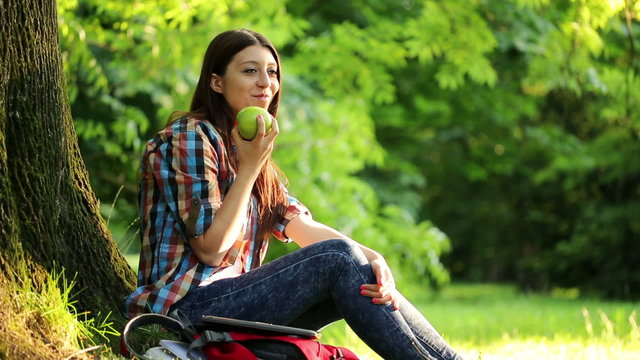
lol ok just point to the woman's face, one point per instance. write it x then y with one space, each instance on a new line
251 79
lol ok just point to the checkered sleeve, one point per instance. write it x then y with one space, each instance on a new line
294 209
185 168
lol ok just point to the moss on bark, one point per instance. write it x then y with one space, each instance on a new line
49 216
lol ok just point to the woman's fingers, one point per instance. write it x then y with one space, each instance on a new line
384 292
275 128
380 294
262 127
376 291
370 290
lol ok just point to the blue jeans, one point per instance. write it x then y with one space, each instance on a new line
313 287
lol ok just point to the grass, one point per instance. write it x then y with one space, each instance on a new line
497 322
481 321
43 323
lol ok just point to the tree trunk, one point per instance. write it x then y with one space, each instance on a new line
49 218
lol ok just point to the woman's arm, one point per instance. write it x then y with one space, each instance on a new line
213 244
306 231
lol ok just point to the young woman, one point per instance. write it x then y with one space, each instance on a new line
209 201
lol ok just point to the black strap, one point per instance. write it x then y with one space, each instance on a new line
209 336
189 330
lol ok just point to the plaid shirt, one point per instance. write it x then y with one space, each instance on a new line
184 180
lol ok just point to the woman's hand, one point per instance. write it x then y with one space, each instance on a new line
384 292
252 154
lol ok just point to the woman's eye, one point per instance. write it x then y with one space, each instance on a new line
271 72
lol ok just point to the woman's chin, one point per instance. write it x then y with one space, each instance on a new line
261 103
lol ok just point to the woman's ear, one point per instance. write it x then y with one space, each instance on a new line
216 83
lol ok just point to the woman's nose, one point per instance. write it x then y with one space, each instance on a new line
263 80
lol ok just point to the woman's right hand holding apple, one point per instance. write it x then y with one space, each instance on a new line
253 154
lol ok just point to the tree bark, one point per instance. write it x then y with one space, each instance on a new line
49 217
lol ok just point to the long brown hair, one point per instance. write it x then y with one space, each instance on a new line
212 106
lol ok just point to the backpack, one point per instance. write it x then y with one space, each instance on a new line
229 339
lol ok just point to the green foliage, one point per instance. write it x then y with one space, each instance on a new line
511 126
535 178
455 32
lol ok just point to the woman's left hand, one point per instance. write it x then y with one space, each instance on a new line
384 292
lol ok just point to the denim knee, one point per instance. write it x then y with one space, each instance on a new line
349 248
346 249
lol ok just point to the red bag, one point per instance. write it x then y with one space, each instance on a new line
237 348
231 339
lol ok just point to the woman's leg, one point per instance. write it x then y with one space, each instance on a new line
325 313
318 316
426 334
287 288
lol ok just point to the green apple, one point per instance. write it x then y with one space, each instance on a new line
248 121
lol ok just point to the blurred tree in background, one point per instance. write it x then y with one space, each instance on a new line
512 126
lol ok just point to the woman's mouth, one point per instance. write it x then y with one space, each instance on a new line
262 97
